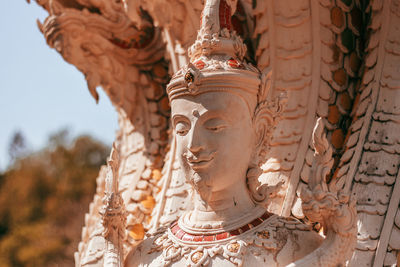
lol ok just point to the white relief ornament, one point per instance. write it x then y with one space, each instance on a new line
97 34
215 36
195 256
207 40
256 240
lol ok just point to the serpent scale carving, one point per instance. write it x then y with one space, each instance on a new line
338 60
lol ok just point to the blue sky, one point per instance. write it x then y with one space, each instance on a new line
39 92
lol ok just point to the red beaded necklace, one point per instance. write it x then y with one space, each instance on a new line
184 236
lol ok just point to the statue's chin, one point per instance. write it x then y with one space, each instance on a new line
201 186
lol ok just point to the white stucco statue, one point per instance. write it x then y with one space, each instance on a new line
202 162
221 121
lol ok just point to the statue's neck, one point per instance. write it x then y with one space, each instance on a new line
225 208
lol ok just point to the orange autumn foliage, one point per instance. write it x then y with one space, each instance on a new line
43 199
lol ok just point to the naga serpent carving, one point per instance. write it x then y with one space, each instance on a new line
334 60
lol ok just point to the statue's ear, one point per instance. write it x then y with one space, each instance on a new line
266 117
263 123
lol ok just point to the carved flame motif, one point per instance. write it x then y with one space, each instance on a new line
113 214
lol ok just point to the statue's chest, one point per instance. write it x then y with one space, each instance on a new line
256 247
221 256
266 259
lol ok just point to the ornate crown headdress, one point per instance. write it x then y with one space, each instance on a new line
217 59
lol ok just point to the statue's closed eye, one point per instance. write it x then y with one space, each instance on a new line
182 128
215 124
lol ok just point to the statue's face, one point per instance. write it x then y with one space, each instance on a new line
215 139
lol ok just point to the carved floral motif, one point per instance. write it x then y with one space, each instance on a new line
310 50
258 240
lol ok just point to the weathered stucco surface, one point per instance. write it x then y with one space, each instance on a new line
334 60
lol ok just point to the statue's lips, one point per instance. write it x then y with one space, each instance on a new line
201 162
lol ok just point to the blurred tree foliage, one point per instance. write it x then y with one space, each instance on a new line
17 147
43 199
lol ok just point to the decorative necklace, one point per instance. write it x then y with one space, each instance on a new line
181 234
199 249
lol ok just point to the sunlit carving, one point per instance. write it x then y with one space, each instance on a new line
334 60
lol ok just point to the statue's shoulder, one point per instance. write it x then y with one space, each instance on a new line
275 240
291 240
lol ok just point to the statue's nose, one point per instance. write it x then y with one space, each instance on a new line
194 144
